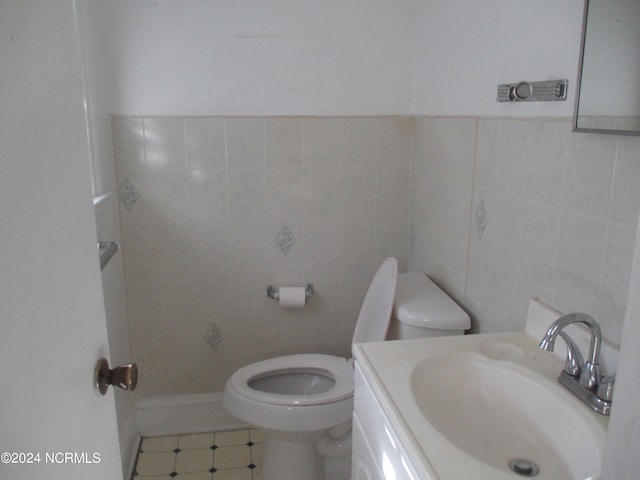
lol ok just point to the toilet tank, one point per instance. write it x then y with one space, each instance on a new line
422 309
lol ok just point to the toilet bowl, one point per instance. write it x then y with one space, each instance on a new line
303 403
303 393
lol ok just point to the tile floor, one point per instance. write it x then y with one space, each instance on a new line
231 455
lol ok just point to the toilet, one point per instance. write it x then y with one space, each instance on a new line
303 403
422 309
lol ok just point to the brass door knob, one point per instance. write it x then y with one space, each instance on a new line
125 377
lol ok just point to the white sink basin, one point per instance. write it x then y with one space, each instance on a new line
499 412
467 406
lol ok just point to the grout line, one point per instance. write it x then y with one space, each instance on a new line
471 212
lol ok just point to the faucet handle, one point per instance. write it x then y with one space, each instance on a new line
605 389
574 362
590 376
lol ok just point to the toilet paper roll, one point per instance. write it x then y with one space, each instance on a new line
292 297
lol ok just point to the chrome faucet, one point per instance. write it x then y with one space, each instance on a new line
590 370
581 377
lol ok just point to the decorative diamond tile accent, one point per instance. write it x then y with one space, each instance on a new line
128 194
481 218
213 336
285 240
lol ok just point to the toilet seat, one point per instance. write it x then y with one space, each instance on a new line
338 369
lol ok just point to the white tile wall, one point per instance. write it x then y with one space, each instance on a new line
199 244
561 213
560 216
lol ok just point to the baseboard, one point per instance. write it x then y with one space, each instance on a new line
130 468
178 414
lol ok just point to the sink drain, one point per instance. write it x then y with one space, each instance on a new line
524 467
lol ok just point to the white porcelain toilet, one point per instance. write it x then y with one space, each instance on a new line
304 403
422 309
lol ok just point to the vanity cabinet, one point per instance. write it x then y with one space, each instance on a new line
378 452
364 465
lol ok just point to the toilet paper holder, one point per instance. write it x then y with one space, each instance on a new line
272 293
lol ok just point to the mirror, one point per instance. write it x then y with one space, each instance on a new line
609 71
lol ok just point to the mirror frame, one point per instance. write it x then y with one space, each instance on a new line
575 128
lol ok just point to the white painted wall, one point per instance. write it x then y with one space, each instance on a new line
244 57
465 49
621 460
361 57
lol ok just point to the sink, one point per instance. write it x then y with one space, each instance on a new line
485 406
491 404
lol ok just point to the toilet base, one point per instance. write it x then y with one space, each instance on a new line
291 460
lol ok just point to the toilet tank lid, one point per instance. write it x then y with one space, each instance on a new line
421 303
